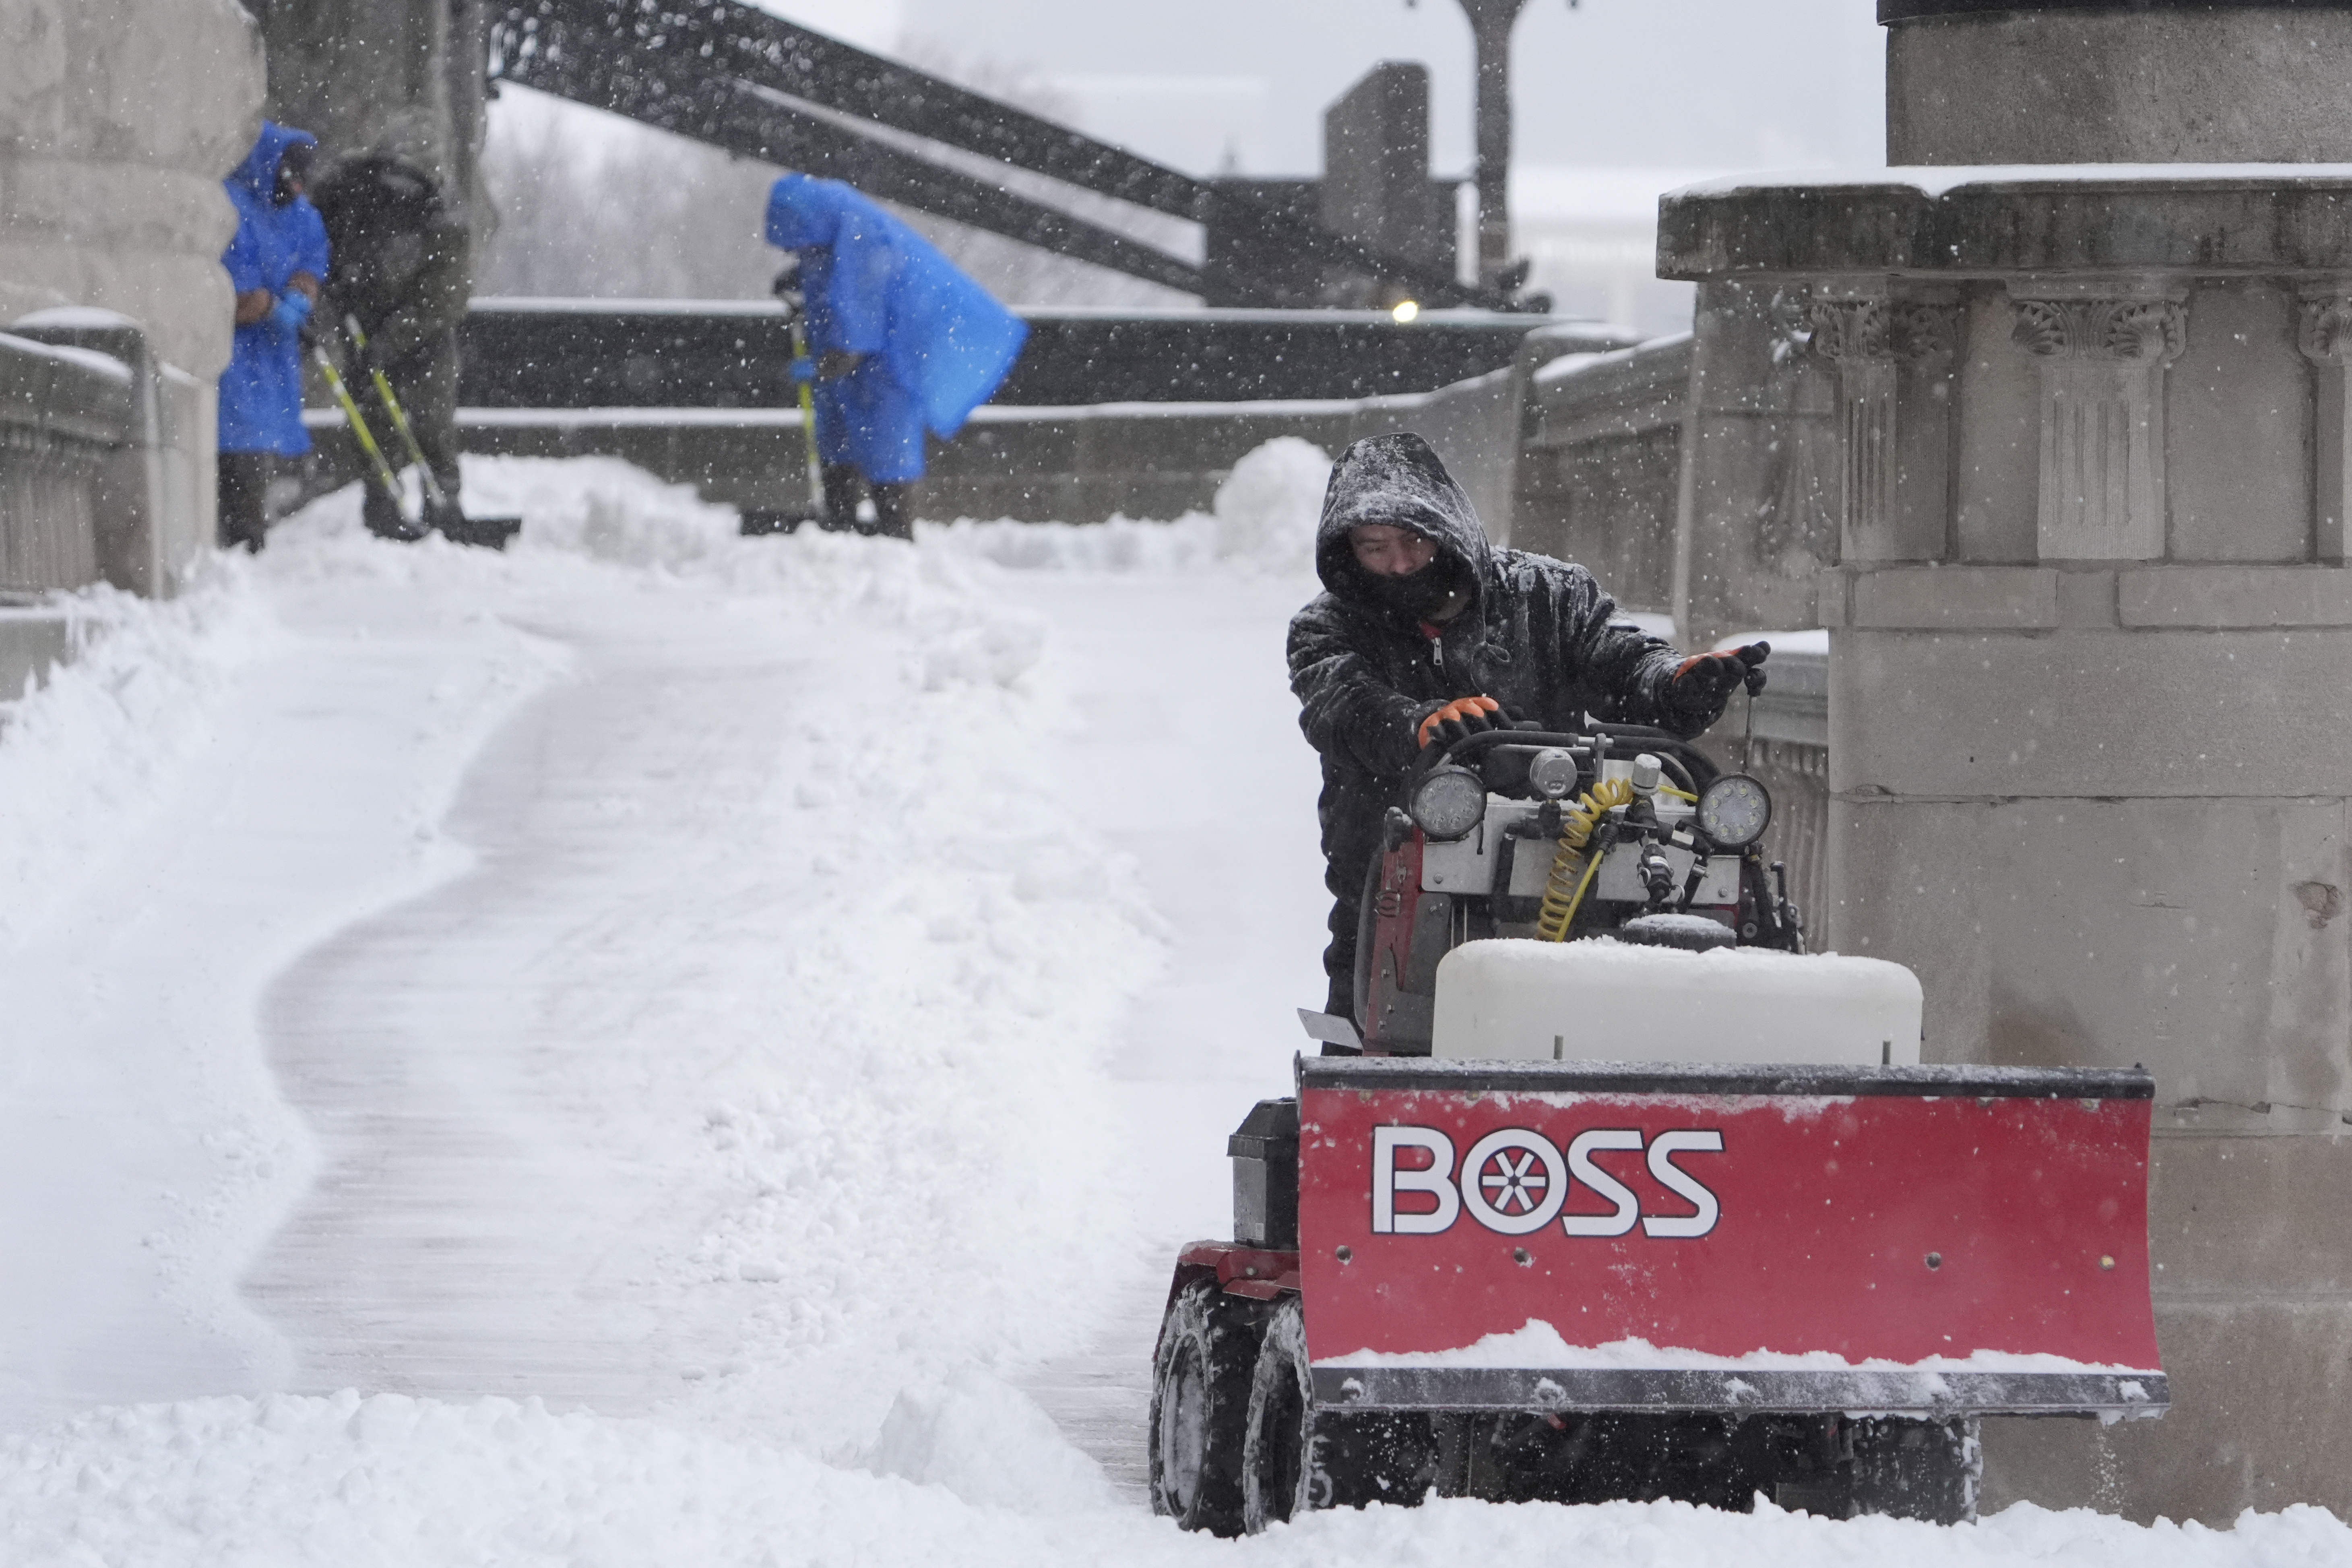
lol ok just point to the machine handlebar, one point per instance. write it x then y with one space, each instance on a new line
1700 768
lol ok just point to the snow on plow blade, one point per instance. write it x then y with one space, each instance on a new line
1933 1240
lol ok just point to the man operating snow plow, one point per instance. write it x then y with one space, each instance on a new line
1603 1188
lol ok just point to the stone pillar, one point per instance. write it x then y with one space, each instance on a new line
2091 727
2086 749
118 121
1491 22
1376 186
2147 81
404 77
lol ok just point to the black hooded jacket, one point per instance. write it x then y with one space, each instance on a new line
1537 635
401 256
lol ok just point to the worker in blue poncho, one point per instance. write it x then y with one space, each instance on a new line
901 343
276 263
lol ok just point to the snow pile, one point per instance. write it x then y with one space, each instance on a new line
585 514
895 1069
1261 523
392 1480
1118 544
386 1480
578 514
990 1445
1268 507
86 757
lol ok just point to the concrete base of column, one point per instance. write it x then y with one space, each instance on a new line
2103 846
2254 1312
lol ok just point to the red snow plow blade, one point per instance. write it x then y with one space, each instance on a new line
1940 1241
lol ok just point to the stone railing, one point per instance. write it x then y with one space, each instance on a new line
64 413
152 493
105 477
1786 744
1075 463
1697 476
1135 414
1600 466
1608 475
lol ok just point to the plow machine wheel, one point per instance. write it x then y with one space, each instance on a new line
1200 1400
1297 1456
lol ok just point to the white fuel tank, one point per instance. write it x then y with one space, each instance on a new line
1602 1000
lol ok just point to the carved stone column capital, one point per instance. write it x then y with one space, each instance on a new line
2325 330
2103 348
1883 328
1850 329
2120 331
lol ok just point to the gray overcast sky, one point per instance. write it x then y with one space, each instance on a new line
1683 84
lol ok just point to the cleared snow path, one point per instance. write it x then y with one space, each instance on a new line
707 1090
142 1148
465 1232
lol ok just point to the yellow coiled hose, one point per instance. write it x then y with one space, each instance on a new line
1571 874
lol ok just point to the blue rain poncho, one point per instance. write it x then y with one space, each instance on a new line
936 346
261 390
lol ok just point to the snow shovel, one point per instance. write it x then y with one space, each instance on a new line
783 521
441 512
410 531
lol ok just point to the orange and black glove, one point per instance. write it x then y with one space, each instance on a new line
1461 718
1704 683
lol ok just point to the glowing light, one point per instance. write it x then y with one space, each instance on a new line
1406 311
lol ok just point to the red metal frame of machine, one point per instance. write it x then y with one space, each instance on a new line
1937 1240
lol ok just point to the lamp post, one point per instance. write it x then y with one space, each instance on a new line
1491 22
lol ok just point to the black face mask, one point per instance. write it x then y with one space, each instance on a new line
293 173
1435 593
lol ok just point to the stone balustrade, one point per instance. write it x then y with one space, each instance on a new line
64 413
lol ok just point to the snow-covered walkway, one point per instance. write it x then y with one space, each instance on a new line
714 1041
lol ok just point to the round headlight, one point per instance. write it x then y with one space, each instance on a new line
1450 803
1734 811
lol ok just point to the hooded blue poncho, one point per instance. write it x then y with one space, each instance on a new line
261 390
936 345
